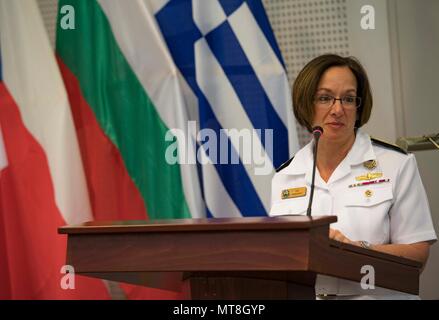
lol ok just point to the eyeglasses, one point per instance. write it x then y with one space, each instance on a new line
348 102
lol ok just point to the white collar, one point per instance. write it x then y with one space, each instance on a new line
360 152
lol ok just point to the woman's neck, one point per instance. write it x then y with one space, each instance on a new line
331 153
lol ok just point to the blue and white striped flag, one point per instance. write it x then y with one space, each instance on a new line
233 77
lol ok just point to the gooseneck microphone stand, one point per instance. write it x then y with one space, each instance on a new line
317 132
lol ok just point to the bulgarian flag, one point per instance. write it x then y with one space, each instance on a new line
125 96
42 183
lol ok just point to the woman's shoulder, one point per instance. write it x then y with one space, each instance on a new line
391 156
284 165
301 158
382 144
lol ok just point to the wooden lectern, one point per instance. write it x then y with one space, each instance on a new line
239 258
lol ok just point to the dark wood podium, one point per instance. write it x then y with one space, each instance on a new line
240 258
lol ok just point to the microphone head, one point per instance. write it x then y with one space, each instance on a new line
317 131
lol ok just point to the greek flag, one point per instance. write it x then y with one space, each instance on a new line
234 77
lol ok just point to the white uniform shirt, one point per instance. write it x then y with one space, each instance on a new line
395 211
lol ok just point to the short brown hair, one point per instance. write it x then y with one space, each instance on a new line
305 87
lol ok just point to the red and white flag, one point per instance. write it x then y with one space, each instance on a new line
42 182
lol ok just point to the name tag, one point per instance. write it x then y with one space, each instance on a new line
293 193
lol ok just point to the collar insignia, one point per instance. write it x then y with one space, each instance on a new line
370 164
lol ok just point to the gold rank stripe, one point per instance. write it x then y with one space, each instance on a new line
369 176
368 182
293 193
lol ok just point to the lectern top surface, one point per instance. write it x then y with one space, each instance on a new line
218 224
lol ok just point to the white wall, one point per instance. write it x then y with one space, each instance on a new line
417 34
372 48
401 57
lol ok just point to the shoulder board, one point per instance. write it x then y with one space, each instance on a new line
388 145
284 165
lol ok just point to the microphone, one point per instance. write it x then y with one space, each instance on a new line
316 132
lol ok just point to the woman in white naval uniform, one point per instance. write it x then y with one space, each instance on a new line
374 188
